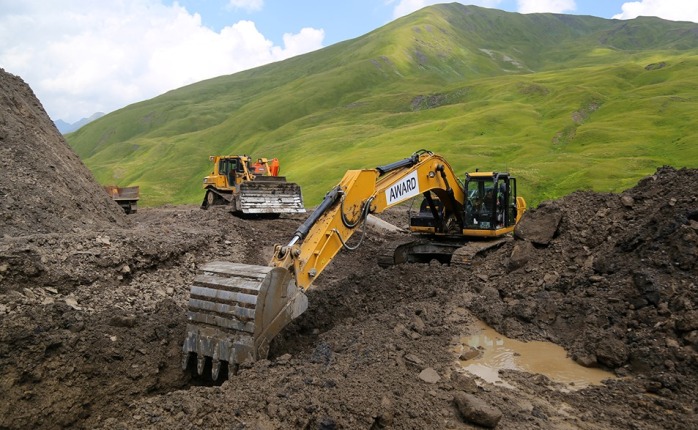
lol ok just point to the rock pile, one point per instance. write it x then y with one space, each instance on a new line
44 187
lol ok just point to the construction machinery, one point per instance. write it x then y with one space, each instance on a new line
453 232
126 197
235 310
250 187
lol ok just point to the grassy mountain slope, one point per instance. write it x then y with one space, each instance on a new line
564 102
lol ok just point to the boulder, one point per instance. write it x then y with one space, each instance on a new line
477 411
539 225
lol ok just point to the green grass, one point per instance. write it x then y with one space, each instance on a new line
563 102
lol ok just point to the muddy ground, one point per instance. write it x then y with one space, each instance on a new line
93 310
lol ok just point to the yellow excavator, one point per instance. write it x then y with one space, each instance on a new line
235 310
250 187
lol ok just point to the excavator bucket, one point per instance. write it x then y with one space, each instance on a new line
235 310
270 194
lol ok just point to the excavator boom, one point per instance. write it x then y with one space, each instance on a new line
235 310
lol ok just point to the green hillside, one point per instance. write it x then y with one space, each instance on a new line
563 102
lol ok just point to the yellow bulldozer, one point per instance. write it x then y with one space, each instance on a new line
235 310
250 187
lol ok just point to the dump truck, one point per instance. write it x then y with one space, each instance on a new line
250 188
235 310
126 197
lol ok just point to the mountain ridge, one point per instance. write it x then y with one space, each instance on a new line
533 97
66 127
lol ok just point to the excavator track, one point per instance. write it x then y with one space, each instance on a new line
417 251
454 252
465 254
235 310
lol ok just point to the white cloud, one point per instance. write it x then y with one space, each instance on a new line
83 56
248 5
308 39
541 6
674 10
406 7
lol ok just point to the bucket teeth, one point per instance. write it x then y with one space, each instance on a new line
235 310
215 369
200 363
185 360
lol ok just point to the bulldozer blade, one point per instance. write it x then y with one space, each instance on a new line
270 196
234 312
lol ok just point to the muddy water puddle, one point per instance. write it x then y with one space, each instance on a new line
491 352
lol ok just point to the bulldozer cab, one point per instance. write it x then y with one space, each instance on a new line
491 202
234 169
227 168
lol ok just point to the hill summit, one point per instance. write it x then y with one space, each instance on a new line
563 102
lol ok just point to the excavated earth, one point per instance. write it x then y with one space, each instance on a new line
93 310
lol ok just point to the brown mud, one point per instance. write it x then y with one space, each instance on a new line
93 310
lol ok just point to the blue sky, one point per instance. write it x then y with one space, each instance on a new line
87 56
342 20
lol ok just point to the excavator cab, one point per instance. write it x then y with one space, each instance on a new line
491 205
451 230
491 208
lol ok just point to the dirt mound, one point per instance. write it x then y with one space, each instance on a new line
93 311
610 277
615 282
44 187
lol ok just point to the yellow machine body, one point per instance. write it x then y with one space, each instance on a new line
235 310
250 187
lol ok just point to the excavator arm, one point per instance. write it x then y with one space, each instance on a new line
360 192
235 310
